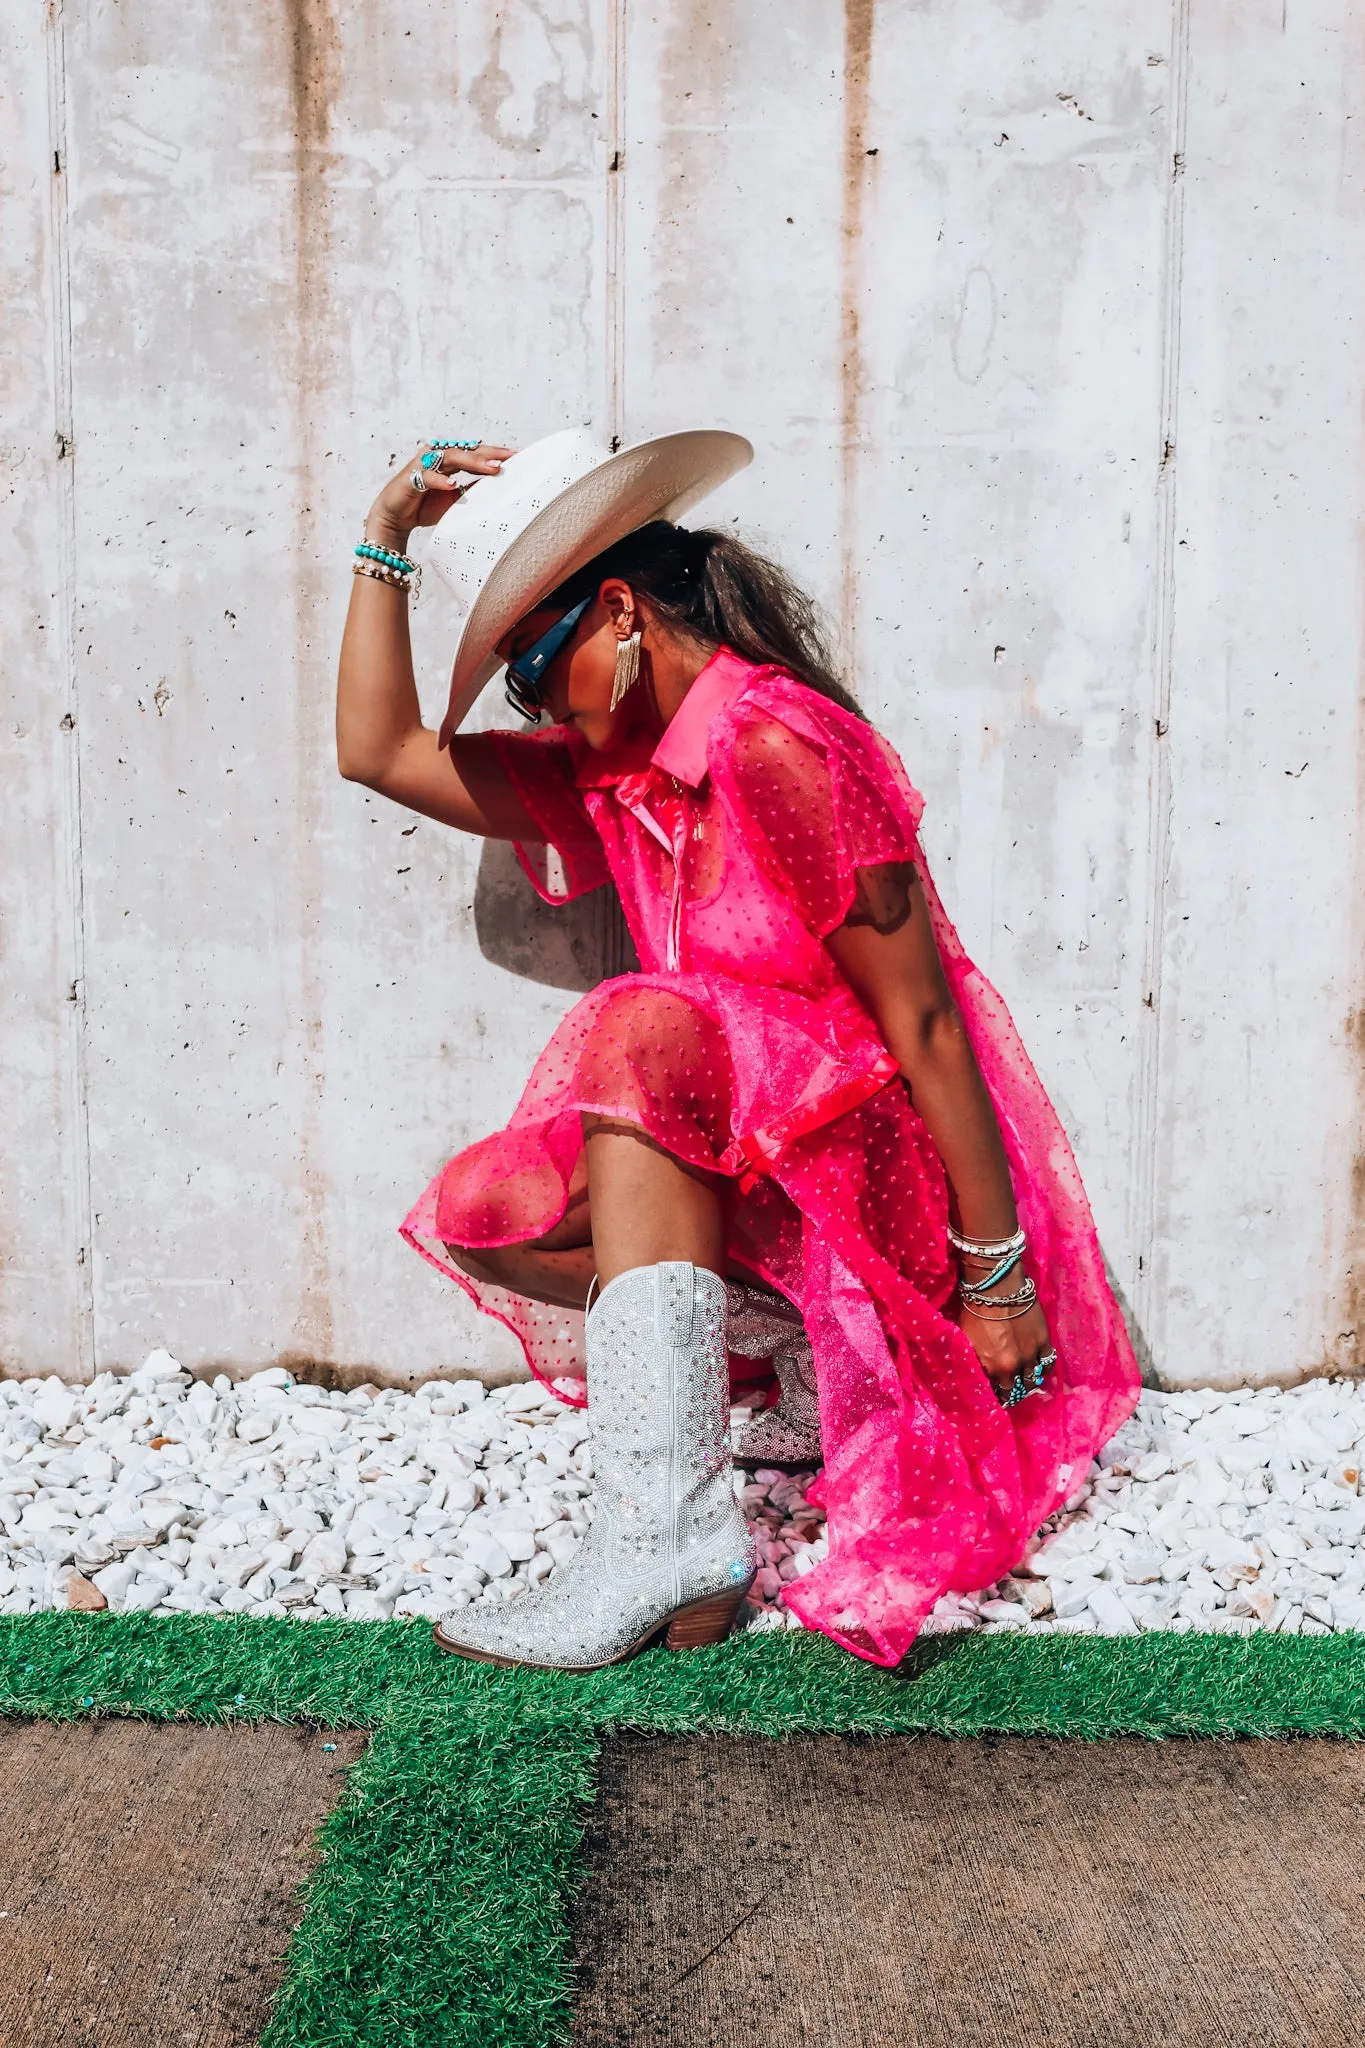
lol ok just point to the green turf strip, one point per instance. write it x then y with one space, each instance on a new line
438 1915
356 1674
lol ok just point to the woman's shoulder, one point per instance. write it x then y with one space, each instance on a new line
777 716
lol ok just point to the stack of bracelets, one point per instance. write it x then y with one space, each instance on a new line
1001 1256
387 567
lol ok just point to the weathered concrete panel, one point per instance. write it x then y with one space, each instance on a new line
44 1241
1257 1253
914 252
280 286
1001 558
939 262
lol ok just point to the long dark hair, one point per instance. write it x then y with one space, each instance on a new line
710 586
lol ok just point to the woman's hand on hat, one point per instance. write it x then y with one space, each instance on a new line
444 471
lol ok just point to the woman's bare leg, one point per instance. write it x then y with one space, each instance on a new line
631 1203
646 1205
556 1268
560 1278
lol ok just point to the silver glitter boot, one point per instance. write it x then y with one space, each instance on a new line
766 1325
669 1549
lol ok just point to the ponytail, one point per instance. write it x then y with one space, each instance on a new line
709 586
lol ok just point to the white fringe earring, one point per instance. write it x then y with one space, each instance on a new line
627 667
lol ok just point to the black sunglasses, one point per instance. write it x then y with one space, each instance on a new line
524 681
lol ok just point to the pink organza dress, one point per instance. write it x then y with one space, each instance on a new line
741 1049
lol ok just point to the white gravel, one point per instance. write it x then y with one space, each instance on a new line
1209 1511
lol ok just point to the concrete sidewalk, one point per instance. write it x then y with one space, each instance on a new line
1009 1893
149 1877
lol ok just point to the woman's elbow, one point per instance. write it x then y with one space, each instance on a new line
357 762
935 1033
353 767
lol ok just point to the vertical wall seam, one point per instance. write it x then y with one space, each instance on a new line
616 220
859 29
77 1135
314 57
615 952
1150 1153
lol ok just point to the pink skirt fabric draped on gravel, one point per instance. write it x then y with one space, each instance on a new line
735 848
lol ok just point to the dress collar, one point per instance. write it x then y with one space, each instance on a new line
681 752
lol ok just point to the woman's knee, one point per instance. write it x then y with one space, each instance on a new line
482 1264
496 1262
651 1039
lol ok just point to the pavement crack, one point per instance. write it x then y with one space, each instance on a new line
728 1935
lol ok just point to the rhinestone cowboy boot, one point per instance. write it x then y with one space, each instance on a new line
669 1551
763 1324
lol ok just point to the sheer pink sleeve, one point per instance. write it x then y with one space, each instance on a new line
566 859
821 795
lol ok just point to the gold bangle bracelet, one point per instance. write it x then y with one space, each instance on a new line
382 575
1010 1315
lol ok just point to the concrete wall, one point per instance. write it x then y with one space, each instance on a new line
1045 322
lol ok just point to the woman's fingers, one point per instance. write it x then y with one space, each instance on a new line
485 460
1007 1348
438 480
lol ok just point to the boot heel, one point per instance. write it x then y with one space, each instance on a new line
705 1621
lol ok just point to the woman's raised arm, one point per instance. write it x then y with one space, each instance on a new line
381 740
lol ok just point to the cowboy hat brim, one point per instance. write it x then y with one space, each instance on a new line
658 479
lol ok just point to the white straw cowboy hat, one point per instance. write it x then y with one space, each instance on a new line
514 537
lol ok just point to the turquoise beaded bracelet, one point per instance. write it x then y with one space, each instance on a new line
387 557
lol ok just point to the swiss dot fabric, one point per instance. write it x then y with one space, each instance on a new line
735 848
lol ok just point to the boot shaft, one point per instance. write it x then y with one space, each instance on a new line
669 1547
658 1402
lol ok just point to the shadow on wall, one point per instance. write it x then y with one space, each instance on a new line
567 945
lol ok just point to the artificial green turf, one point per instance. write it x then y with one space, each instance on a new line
355 1674
439 1914
437 1917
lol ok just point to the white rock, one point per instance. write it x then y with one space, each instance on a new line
275 1482
362 1606
158 1366
1036 1596
383 1525
1221 1549
1152 1465
1073 1540
560 1542
143 1595
455 1574
114 1581
1111 1615
1008 1613
515 1533
484 1550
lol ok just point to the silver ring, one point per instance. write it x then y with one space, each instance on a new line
417 480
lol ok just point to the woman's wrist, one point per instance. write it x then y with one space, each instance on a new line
385 531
